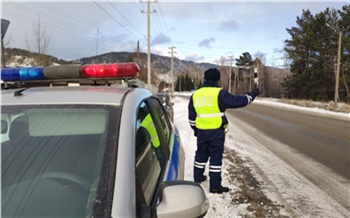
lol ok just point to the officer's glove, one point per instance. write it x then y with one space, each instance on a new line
256 91
226 130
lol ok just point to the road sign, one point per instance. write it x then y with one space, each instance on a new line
4 25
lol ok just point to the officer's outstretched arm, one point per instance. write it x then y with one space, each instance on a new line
236 101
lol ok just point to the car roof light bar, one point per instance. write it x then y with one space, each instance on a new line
110 70
72 72
62 71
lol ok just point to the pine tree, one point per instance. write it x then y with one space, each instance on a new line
344 82
299 48
245 60
313 49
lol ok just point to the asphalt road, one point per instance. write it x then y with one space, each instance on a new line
316 146
325 139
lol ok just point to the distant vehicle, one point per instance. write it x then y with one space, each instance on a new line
90 151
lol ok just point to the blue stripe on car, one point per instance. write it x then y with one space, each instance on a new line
174 160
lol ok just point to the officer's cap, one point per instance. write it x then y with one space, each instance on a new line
212 74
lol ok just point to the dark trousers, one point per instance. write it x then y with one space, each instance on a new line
210 144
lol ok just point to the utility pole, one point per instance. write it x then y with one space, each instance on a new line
172 69
338 69
97 42
138 51
230 79
336 94
148 12
180 85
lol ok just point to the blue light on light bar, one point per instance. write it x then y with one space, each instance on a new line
22 73
31 73
10 74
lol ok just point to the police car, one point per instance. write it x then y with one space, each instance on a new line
93 150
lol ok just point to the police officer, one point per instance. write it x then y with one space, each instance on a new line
148 125
206 117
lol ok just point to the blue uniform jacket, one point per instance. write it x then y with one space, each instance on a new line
226 100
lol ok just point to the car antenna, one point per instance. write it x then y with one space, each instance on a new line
19 92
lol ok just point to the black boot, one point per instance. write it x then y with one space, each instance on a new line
219 190
202 180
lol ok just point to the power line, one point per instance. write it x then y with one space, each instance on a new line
145 17
124 17
59 29
158 24
66 28
67 14
60 26
114 18
161 13
149 39
92 23
16 5
172 69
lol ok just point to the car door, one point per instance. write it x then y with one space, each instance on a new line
152 151
175 167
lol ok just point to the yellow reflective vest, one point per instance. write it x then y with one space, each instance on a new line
148 124
205 102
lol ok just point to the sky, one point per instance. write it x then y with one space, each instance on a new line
286 184
201 31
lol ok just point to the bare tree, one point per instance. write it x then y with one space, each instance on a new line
260 64
39 42
224 80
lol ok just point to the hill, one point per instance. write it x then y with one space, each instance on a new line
269 81
160 64
21 57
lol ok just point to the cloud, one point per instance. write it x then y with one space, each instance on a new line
194 57
206 42
161 50
229 25
161 39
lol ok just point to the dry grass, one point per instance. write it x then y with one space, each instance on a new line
341 107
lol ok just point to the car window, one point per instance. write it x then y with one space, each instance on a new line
52 163
165 123
149 153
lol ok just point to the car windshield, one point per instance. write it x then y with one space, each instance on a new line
52 158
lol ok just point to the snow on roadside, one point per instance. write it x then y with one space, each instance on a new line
220 204
226 205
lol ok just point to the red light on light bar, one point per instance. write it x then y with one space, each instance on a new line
109 70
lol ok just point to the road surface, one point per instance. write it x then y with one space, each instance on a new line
325 139
315 145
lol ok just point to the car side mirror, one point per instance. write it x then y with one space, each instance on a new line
181 199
